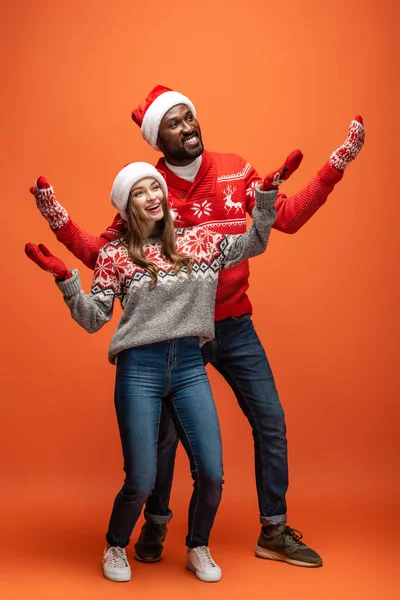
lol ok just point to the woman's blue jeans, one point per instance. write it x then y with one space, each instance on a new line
169 372
237 353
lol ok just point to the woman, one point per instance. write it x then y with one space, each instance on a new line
166 281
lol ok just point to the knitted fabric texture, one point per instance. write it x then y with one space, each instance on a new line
179 305
220 196
53 212
342 156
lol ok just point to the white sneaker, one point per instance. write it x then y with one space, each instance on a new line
115 564
200 561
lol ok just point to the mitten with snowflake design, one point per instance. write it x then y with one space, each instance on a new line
48 205
350 148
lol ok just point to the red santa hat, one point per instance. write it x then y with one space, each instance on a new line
127 178
149 113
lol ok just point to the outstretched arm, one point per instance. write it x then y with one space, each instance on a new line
295 211
255 240
83 245
235 248
91 311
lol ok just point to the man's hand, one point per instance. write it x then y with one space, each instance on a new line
48 205
347 152
274 179
46 261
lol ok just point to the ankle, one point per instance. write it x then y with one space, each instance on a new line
271 529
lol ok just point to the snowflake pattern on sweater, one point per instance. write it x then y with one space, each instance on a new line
218 172
115 271
180 304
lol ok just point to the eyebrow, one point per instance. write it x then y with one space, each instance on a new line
141 187
171 119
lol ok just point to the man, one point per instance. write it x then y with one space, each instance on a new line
217 190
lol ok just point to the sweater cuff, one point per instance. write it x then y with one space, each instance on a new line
68 232
72 286
265 199
329 174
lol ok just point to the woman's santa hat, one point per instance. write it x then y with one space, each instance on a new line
127 178
149 113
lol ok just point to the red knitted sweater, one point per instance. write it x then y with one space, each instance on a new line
220 195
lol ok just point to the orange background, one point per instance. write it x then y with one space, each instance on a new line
265 77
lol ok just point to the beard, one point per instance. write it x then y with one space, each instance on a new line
182 154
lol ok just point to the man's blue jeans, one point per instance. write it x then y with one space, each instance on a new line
171 372
237 353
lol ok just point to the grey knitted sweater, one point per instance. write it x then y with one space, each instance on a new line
179 305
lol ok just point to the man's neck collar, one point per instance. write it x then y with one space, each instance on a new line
187 172
183 166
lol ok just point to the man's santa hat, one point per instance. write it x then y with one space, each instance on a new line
149 113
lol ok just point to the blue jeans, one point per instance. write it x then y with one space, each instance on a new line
173 373
237 353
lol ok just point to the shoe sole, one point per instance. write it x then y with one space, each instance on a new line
202 577
270 555
116 579
148 560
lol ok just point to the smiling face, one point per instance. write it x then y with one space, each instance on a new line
179 136
147 199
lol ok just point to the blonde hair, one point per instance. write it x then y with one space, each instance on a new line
134 240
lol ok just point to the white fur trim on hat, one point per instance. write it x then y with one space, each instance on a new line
126 178
156 111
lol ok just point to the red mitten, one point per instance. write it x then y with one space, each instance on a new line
48 205
46 261
41 184
272 180
347 152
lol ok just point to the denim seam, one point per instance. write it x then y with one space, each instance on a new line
170 365
175 356
243 397
197 469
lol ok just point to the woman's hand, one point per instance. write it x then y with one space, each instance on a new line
46 261
275 178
